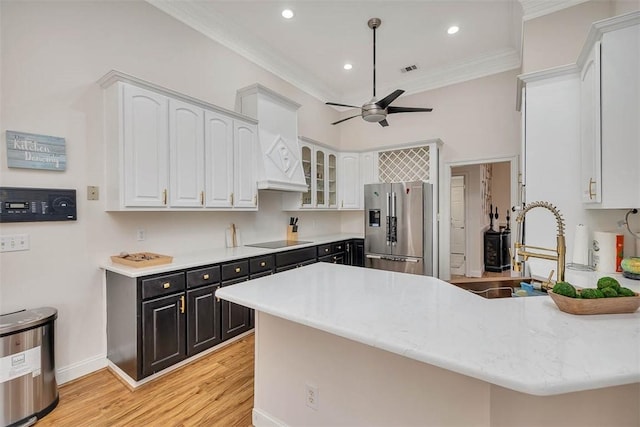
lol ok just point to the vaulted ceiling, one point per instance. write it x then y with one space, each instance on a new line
310 49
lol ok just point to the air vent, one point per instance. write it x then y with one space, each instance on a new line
409 68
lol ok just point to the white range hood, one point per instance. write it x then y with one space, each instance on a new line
279 163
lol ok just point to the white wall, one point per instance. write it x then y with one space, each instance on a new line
52 54
501 191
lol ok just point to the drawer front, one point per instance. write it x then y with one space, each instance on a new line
260 264
162 285
295 256
338 247
324 250
234 270
203 276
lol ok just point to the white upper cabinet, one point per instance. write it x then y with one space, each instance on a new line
610 111
186 143
145 139
349 178
590 179
168 150
218 145
245 147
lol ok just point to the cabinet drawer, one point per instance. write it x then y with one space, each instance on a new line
263 274
203 276
330 248
260 264
234 270
295 256
162 285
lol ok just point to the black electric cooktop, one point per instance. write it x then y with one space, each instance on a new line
278 244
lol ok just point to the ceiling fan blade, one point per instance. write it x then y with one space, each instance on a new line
384 102
344 120
384 123
392 110
341 105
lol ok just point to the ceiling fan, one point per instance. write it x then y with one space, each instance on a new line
376 111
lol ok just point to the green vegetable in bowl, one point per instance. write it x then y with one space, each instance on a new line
608 282
626 292
609 292
564 288
591 293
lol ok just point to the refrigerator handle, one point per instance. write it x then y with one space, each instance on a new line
394 221
388 220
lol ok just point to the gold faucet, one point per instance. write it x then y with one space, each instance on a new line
525 251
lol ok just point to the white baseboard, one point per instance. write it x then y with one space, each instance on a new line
260 418
79 369
475 273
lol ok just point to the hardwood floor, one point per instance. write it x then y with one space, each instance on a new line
216 390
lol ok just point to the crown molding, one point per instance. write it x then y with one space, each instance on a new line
537 8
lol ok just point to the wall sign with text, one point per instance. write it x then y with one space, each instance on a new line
31 151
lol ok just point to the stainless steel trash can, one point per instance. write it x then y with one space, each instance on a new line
28 388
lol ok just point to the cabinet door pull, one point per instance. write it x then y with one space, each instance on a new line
237 269
182 304
262 264
217 298
342 204
255 200
166 285
164 196
202 198
205 277
591 193
231 198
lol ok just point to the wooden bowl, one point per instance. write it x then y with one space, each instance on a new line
615 305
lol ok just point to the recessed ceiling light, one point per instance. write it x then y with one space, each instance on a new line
453 29
348 66
287 13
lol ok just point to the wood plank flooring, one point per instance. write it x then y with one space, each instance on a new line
216 390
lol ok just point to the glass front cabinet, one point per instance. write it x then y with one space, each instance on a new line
320 172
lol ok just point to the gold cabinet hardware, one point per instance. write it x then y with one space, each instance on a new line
326 249
217 298
166 285
342 204
262 264
339 248
164 196
255 200
205 277
182 304
591 193
231 198
202 198
237 269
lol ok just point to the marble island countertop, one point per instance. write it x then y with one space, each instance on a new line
524 344
218 255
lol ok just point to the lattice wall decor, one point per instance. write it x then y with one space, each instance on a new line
408 164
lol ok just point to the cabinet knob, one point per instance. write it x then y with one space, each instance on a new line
205 276
326 249
166 285
339 247
262 264
237 269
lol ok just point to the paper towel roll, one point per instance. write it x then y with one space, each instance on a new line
581 245
607 251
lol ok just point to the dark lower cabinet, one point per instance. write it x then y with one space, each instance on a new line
163 332
236 318
204 328
358 254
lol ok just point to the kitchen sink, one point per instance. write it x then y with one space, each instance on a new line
496 287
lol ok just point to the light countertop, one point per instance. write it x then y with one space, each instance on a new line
215 256
524 344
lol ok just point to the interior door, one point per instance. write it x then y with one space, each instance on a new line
458 230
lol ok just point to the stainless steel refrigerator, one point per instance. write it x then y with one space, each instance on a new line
399 227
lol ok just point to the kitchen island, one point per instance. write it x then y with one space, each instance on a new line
340 345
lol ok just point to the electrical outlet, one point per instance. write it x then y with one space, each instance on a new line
311 396
141 234
93 192
16 242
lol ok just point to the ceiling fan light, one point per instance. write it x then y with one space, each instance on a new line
287 14
453 29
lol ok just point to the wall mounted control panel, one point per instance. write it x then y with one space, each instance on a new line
37 204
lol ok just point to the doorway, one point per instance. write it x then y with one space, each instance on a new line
489 183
